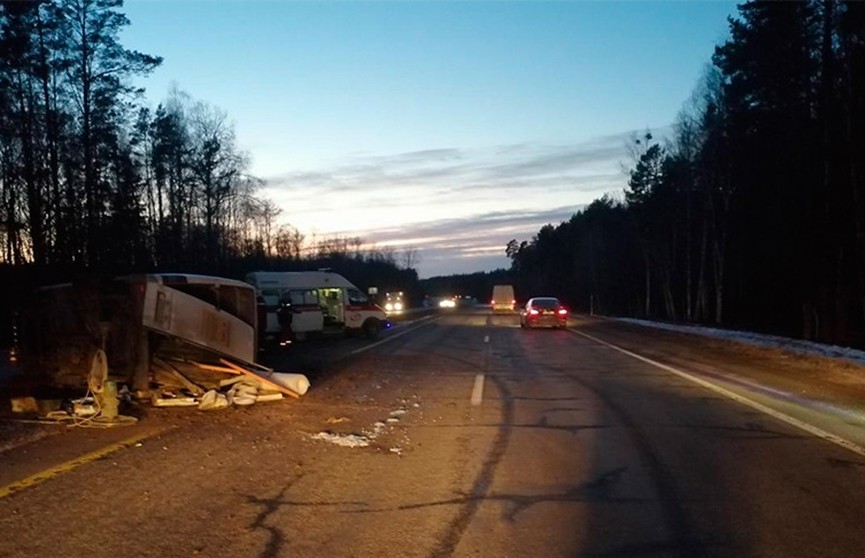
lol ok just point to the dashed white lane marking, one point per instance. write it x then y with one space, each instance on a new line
802 425
478 390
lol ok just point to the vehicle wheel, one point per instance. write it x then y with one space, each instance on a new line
371 328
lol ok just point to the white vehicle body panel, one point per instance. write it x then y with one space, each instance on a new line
173 312
319 300
503 298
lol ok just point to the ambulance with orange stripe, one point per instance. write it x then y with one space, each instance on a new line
297 304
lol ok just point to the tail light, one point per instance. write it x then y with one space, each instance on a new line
533 312
563 312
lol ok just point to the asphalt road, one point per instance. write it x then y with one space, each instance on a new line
464 436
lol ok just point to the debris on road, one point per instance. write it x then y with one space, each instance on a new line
367 437
172 339
24 405
343 440
213 400
168 399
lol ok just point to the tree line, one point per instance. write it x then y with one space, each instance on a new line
753 213
94 180
90 177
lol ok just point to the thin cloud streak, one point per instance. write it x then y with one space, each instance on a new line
446 244
452 204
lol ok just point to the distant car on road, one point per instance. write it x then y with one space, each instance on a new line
544 311
447 302
438 302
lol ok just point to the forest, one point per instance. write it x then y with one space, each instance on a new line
91 178
94 180
751 214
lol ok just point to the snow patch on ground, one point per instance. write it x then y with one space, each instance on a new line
368 436
771 341
344 440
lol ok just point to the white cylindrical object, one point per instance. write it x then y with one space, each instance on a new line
297 383
269 397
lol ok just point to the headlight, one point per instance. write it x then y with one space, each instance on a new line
388 306
447 303
397 306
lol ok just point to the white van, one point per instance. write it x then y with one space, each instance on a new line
305 302
503 298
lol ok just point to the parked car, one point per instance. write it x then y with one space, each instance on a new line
544 311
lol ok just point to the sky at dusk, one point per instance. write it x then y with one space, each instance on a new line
447 128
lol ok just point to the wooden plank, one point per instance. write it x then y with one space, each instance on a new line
174 372
261 377
214 368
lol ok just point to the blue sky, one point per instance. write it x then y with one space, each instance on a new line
446 127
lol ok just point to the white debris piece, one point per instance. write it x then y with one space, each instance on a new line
344 440
173 401
213 400
244 392
398 412
376 429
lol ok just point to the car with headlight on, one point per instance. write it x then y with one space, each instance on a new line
394 302
447 302
544 311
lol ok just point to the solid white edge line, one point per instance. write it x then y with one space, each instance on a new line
478 390
802 425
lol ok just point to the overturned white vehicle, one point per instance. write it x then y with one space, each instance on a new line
160 333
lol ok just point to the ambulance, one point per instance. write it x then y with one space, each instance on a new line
297 304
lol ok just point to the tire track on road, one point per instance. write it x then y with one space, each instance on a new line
685 541
483 482
679 526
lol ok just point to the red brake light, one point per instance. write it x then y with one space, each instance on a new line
562 311
533 312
